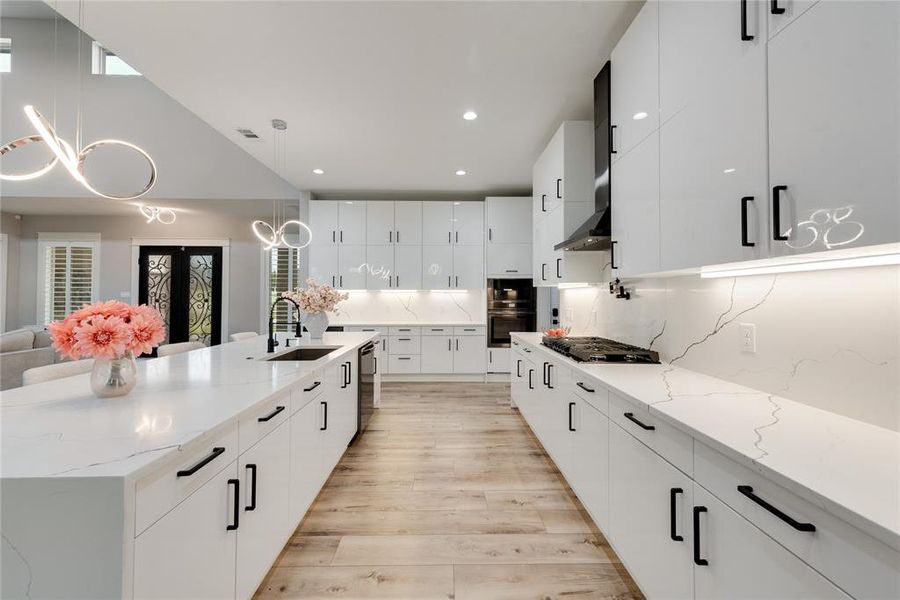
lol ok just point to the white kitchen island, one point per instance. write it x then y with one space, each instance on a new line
188 487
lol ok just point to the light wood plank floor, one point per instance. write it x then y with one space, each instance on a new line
447 495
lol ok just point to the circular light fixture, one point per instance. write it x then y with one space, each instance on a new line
639 116
24 141
318 172
470 115
460 172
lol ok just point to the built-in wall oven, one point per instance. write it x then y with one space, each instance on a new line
510 307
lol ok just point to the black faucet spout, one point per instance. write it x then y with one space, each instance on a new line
272 342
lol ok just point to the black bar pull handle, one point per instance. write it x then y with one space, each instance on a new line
673 514
518 367
558 265
490 234
612 254
545 372
252 505
776 10
558 193
543 202
612 150
390 237
342 236
645 427
549 378
325 416
776 213
744 241
343 375
216 452
349 372
236 512
313 386
746 37
571 406
457 281
530 382
457 344
332 237
271 415
374 365
748 491
584 387
398 236
543 271
697 560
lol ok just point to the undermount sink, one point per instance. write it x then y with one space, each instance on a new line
304 353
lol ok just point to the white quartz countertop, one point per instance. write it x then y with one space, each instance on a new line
848 468
406 324
60 429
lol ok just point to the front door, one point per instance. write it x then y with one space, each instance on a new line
184 283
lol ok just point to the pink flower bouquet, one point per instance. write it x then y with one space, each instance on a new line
108 330
317 298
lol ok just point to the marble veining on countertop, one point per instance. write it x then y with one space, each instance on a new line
846 467
60 429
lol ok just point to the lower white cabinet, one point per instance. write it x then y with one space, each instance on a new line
190 552
589 434
437 354
469 353
498 360
307 469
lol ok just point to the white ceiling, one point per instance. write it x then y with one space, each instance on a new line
373 92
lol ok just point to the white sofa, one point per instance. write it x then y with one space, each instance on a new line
23 349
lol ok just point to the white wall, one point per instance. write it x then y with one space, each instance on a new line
830 339
193 159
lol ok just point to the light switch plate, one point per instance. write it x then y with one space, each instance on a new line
748 337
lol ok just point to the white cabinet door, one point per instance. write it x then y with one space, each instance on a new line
408 223
591 463
436 354
712 141
323 221
743 562
634 82
468 223
265 475
554 167
508 220
437 223
408 267
469 353
498 360
783 12
437 267
379 222
307 474
323 263
379 267
352 222
352 268
834 127
190 552
635 220
468 267
643 489
509 260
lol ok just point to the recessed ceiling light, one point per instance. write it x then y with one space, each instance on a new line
470 115
639 116
318 171
729 171
460 172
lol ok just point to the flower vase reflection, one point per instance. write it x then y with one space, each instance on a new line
831 227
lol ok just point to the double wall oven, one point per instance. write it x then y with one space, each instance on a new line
511 306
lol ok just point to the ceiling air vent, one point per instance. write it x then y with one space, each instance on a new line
247 133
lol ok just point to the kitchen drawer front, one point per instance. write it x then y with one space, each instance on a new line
405 344
589 390
160 491
367 329
672 444
437 330
473 330
308 390
404 363
405 331
262 420
857 563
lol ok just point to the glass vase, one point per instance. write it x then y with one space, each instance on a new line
113 377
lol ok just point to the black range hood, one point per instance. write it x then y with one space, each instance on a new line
596 232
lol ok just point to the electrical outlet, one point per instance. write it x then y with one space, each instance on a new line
748 337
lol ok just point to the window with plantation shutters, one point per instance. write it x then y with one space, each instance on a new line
284 274
67 274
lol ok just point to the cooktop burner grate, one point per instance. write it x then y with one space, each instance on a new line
600 350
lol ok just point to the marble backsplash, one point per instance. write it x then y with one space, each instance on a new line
830 339
457 306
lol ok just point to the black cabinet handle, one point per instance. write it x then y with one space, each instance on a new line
558 264
543 202
349 372
746 37
398 236
530 382
611 129
518 367
271 415
748 491
343 375
744 202
571 406
457 237
630 417
237 505
449 347
397 278
342 236
216 452
404 358
776 213
325 419
543 271
612 254
457 345
549 380
390 237
490 234
252 505
404 339
673 515
545 372
469 329
776 10
697 560
312 387
332 237
448 237
457 281
558 194
512 271
374 365
584 387
341 281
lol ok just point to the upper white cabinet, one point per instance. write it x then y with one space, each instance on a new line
437 267
712 141
437 223
781 13
352 271
408 223
468 267
407 268
323 263
351 222
379 222
635 216
323 221
634 82
379 267
468 223
834 128
509 236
